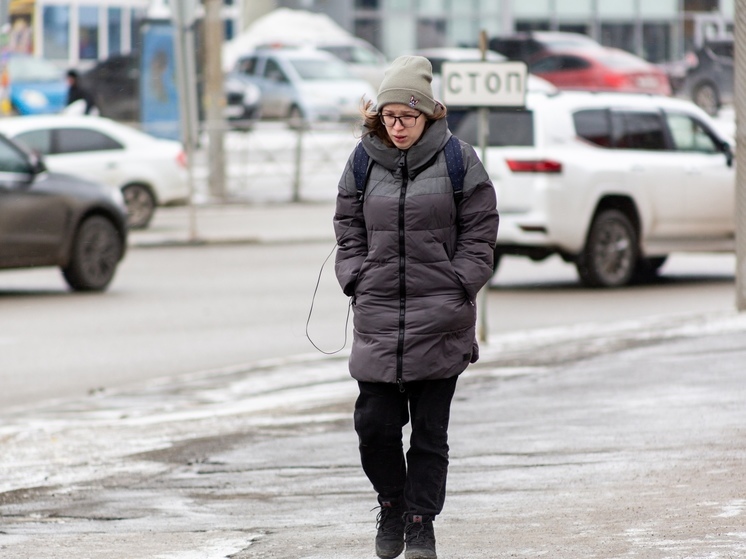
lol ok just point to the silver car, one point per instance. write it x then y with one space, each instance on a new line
304 84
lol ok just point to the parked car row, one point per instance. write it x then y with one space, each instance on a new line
115 84
148 171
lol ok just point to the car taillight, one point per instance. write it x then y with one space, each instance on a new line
181 159
534 166
616 81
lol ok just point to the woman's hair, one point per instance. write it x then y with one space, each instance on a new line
372 125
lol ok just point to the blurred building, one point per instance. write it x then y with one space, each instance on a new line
658 30
78 33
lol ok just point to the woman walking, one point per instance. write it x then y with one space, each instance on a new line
416 223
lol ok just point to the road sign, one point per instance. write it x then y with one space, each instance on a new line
484 84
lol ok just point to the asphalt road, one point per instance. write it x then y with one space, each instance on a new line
181 310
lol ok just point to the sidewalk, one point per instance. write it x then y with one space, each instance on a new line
624 441
238 223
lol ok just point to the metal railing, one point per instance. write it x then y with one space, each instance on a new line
276 162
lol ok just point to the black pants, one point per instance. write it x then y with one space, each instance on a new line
381 411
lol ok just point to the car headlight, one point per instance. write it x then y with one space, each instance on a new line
117 197
251 95
34 99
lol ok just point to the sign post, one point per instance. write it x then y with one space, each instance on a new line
483 85
183 18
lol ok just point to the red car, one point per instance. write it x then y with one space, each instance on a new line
602 69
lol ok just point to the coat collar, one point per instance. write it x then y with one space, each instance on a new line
420 155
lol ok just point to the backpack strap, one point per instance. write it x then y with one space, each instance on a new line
455 164
360 169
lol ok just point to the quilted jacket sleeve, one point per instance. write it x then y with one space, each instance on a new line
349 229
477 226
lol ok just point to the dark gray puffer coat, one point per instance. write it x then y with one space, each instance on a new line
412 261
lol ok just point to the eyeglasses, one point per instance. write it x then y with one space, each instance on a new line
407 121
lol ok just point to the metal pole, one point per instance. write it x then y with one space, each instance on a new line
482 327
214 98
740 106
185 67
298 162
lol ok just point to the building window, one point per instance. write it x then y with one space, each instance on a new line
656 38
136 19
56 32
620 35
115 30
367 4
88 32
431 33
369 30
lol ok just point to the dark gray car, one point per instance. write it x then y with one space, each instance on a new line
50 219
709 82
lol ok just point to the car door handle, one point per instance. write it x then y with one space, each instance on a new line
112 165
637 168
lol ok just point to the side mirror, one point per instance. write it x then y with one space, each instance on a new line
728 151
36 163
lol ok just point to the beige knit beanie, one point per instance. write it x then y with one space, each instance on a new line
407 81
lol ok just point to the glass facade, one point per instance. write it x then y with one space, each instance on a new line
656 30
80 32
56 21
114 30
88 32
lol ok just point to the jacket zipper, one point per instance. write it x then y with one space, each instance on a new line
402 282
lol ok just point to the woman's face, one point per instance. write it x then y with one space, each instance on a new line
403 134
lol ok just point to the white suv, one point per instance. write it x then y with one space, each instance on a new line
611 182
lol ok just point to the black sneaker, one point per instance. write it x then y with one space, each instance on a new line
420 537
390 524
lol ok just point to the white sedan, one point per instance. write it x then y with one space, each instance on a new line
149 171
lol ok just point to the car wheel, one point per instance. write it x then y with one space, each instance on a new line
706 97
296 120
95 254
610 256
140 205
647 268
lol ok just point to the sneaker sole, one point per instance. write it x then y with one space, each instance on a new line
389 554
420 554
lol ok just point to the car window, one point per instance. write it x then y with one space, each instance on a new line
690 135
559 63
638 130
74 140
594 126
722 49
247 65
38 140
12 160
548 64
570 63
506 128
273 71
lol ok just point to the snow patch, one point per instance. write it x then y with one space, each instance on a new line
284 26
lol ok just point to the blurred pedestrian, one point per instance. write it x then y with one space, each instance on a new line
77 94
412 254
